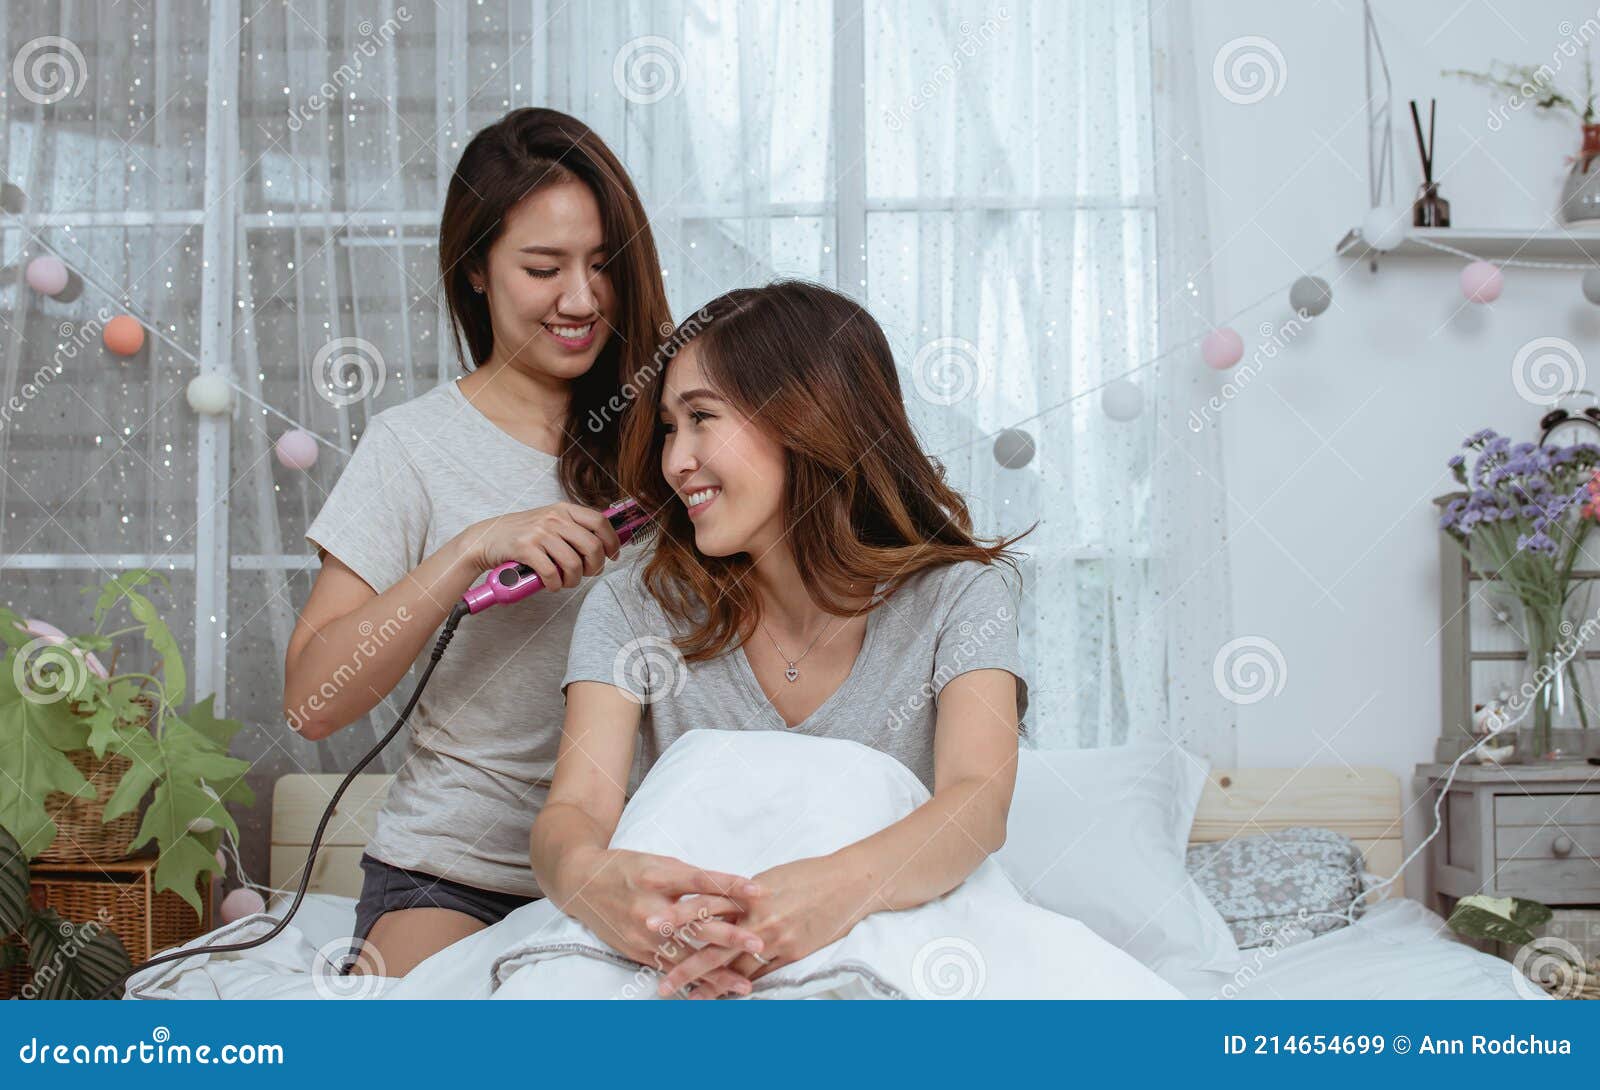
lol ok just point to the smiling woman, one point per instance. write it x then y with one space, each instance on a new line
792 498
554 289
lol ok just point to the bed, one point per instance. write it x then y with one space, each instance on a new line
1397 949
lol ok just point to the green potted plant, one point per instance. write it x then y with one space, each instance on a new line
61 711
64 959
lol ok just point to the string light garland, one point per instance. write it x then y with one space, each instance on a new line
1221 346
148 326
1187 345
1482 282
1506 262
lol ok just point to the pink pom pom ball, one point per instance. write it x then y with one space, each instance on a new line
241 903
46 275
297 449
1481 282
1222 348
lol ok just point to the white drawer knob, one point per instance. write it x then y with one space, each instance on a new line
1562 846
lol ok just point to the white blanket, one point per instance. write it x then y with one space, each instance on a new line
745 801
742 802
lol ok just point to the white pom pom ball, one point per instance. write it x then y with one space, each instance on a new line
209 394
1385 227
1122 401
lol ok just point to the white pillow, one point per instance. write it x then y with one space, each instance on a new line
1100 835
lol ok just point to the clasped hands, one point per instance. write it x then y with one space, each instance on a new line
709 932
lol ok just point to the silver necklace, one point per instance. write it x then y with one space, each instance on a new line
792 673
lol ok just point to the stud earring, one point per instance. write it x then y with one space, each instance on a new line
478 288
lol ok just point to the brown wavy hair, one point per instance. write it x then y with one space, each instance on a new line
525 151
862 501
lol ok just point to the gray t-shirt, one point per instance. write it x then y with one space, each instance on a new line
481 744
943 622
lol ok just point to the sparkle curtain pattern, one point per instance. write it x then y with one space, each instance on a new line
1009 188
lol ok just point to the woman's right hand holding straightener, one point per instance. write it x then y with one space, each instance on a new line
564 542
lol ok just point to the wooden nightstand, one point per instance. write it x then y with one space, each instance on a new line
1529 830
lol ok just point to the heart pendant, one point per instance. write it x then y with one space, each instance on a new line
791 673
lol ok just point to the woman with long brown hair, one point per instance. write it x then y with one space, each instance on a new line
554 288
812 572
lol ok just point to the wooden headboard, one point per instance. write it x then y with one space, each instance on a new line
1361 803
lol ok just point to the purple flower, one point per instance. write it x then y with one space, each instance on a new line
1536 543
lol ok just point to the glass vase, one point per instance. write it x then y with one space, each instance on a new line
1555 652
1580 196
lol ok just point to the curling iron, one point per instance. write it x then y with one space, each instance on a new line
509 582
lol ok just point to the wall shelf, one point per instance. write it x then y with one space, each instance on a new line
1549 244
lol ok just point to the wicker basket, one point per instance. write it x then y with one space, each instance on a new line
122 897
1572 981
82 835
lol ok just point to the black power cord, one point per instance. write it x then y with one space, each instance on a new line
443 641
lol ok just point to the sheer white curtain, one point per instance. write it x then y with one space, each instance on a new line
1004 185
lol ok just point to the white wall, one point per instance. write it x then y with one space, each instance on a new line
1333 454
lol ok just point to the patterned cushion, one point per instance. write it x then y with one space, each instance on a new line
1281 887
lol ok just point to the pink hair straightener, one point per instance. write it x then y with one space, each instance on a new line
510 582
514 581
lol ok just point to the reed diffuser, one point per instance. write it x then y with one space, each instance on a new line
1429 209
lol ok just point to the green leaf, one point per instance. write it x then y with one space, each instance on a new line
102 723
11 630
116 588
14 907
185 761
182 863
1502 919
201 717
124 697
73 960
174 679
140 748
34 738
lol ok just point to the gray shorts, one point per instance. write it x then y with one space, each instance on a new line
387 888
